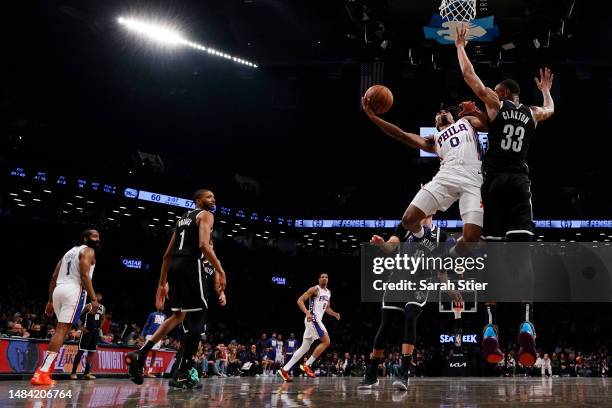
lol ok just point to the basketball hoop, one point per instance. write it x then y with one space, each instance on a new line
458 10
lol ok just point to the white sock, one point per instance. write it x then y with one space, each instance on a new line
299 353
419 234
310 360
47 361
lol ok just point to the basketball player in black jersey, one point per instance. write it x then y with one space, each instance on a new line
183 279
506 194
90 336
392 311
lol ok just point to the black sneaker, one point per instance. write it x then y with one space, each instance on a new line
185 381
135 365
401 383
368 383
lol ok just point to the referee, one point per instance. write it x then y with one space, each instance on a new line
90 337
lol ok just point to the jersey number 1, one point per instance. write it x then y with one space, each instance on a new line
508 142
182 234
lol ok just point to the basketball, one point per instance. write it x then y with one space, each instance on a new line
381 98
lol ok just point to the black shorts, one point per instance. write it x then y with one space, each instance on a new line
506 198
188 282
89 340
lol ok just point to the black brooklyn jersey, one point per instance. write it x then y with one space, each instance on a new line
187 239
94 320
510 135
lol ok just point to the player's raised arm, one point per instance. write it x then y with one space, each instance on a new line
410 139
544 83
485 94
206 221
313 291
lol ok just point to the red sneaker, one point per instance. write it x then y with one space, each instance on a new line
284 375
306 368
41 378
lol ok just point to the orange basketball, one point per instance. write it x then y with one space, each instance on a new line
381 98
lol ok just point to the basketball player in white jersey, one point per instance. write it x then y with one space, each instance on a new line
459 177
70 285
318 298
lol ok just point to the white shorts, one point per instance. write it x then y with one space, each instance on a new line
453 184
157 345
314 330
68 303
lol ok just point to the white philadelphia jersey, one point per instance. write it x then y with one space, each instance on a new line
69 272
458 142
319 303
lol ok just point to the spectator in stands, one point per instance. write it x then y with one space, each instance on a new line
221 360
19 331
36 332
556 366
233 363
262 344
546 366
346 365
251 364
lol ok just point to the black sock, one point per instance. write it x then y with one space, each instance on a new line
76 361
148 346
373 368
87 368
406 362
189 348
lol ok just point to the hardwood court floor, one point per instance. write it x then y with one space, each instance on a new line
328 392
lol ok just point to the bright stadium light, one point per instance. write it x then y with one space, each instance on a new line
167 36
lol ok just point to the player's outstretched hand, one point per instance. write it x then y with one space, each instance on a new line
365 104
337 316
222 299
377 240
49 309
461 37
467 108
544 83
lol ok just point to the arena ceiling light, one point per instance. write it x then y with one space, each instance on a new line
170 37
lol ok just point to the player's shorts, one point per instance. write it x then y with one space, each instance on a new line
453 183
188 285
507 202
157 345
68 303
314 329
89 340
416 297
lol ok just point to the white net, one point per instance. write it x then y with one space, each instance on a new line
458 10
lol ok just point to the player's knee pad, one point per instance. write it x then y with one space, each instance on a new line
411 315
519 237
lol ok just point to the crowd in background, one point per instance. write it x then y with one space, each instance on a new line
264 355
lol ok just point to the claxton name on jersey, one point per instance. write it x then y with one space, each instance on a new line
183 222
514 114
450 131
